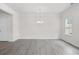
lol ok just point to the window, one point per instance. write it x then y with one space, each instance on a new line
68 26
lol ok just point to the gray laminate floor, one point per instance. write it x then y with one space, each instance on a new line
37 47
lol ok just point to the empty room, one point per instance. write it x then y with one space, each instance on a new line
39 28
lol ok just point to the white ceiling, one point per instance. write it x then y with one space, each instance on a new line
39 7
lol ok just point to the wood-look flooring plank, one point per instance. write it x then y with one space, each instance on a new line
37 47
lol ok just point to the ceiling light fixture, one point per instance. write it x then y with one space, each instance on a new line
39 20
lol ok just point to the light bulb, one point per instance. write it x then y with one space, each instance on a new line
40 22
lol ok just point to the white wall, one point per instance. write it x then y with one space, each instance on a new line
74 13
29 29
26 27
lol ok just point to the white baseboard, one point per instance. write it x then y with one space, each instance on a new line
40 37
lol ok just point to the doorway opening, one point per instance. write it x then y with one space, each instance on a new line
5 26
